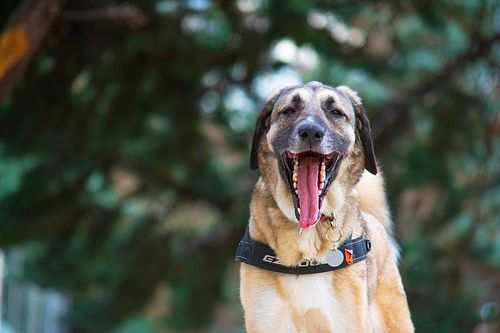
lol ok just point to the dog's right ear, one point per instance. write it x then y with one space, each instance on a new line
261 128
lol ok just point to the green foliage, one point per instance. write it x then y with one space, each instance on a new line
124 153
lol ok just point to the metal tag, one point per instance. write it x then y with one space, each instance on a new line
334 258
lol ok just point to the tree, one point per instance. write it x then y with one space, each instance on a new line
124 152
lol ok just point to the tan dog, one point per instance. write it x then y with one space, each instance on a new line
312 144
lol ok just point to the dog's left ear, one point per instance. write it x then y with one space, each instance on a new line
362 128
261 128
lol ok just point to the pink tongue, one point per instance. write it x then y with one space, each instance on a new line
308 190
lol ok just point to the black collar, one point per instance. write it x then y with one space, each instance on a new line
260 255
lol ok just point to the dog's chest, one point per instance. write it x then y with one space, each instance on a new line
309 291
315 292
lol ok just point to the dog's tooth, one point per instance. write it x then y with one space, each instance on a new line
295 171
295 184
321 185
322 174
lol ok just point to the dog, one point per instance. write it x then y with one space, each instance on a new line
319 190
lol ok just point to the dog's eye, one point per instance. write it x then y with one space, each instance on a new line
337 113
289 111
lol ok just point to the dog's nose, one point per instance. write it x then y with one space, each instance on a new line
311 133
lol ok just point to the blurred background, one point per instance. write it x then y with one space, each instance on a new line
124 151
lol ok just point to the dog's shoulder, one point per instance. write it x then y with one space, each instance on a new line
373 199
377 217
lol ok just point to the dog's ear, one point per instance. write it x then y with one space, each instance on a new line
261 128
362 128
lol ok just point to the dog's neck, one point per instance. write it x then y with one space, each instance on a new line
272 222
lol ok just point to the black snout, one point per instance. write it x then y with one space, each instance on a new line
311 133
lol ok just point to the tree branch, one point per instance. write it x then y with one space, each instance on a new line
391 113
124 12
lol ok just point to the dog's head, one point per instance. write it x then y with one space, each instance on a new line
308 137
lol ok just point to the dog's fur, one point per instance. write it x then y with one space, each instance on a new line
364 297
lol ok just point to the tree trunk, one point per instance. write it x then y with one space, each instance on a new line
21 39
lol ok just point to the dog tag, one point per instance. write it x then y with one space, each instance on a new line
334 258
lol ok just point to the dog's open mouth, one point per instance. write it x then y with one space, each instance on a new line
309 174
